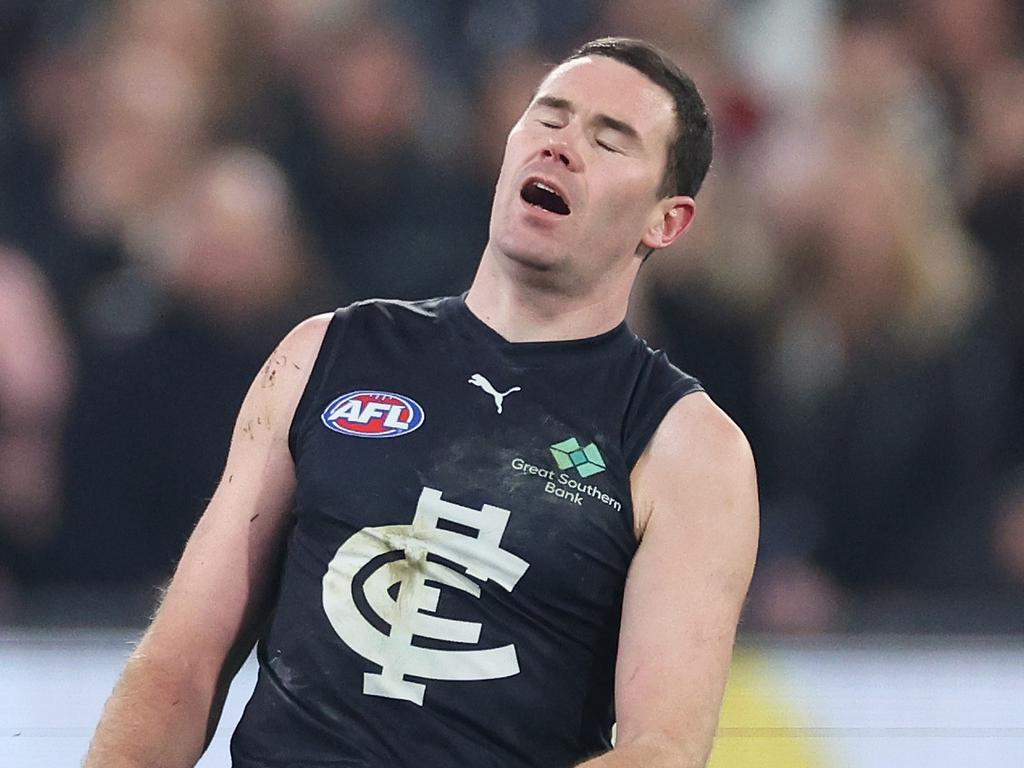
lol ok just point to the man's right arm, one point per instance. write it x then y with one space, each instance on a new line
166 704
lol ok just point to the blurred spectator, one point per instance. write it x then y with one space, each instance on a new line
44 88
1008 533
886 386
117 116
783 46
995 205
394 222
995 155
236 252
161 384
35 382
960 40
134 145
195 33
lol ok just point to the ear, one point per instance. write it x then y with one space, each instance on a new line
669 220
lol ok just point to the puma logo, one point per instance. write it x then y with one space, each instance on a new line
478 380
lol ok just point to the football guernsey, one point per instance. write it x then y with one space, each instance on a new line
452 586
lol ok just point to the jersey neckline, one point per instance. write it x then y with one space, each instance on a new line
477 329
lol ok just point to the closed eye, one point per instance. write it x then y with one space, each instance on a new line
608 147
549 124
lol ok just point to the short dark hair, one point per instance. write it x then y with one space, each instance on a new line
689 154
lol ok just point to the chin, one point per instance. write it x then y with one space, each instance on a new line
531 252
535 262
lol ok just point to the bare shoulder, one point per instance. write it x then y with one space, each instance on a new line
298 350
279 384
696 429
310 332
696 450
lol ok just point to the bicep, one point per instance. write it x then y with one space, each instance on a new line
220 588
688 580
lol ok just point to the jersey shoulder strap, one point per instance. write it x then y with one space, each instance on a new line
658 386
370 316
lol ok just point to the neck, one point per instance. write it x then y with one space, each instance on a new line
526 307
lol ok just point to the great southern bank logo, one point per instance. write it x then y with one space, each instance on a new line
587 459
570 455
369 413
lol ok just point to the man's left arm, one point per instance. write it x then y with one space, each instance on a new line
695 496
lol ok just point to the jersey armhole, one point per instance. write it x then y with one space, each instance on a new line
653 417
326 357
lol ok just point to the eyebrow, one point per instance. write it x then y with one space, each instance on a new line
627 130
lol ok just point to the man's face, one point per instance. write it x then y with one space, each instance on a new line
583 167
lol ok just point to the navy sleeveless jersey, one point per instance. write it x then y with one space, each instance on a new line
452 587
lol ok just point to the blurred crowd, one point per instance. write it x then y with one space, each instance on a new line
181 182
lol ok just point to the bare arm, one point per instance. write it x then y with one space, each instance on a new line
696 494
166 704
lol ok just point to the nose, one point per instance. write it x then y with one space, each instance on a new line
561 152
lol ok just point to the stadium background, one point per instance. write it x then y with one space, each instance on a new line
180 182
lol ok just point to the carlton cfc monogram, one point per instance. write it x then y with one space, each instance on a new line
394 652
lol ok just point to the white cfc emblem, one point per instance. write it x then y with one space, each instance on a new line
483 558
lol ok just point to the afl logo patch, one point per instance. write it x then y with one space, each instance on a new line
369 413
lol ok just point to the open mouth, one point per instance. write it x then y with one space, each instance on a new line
541 195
